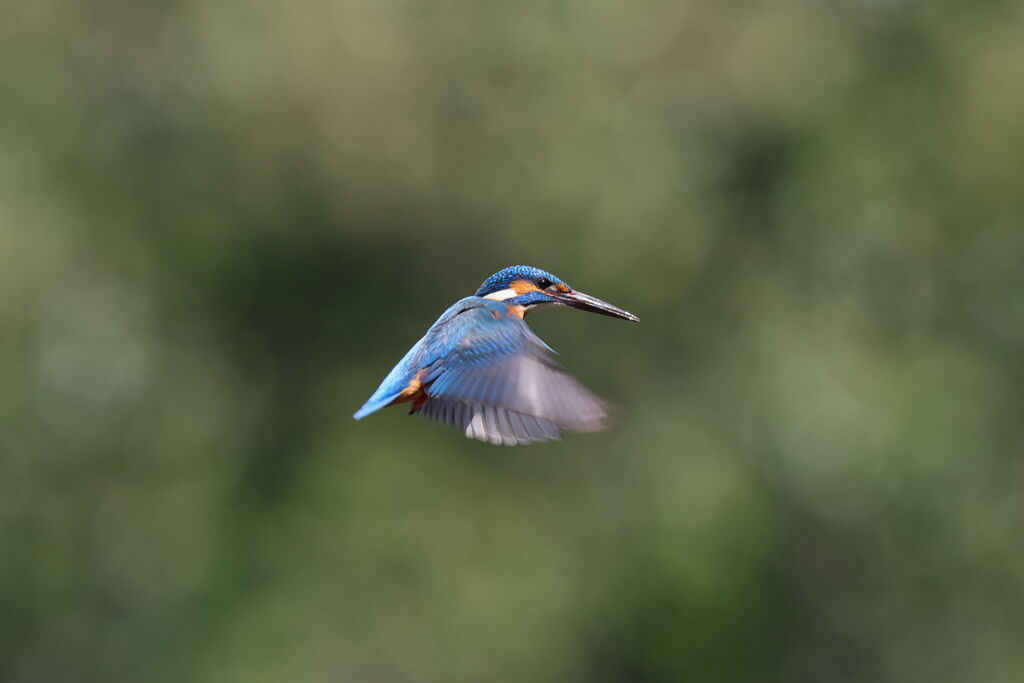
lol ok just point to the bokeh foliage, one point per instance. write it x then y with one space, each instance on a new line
222 221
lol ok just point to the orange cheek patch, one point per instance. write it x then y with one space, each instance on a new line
564 289
521 287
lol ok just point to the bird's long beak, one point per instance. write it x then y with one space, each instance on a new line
586 302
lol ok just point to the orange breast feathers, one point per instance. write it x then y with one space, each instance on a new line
413 392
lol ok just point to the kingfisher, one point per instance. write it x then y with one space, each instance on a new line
481 369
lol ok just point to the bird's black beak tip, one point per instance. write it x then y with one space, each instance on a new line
585 302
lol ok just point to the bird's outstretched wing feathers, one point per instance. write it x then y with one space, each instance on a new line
497 381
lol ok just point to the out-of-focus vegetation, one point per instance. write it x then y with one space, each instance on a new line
221 223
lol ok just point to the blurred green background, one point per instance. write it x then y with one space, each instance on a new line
221 223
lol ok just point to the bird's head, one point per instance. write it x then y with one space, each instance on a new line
531 288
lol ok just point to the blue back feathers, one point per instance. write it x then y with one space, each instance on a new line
503 278
470 332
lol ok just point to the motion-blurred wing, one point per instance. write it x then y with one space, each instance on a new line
499 383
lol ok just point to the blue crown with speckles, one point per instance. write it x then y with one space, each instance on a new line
503 278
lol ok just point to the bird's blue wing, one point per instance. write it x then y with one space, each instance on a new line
492 377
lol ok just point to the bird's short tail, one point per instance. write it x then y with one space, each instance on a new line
373 405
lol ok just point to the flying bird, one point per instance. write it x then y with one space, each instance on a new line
479 368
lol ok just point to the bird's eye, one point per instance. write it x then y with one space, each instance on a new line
543 283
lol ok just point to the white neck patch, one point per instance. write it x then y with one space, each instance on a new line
501 295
